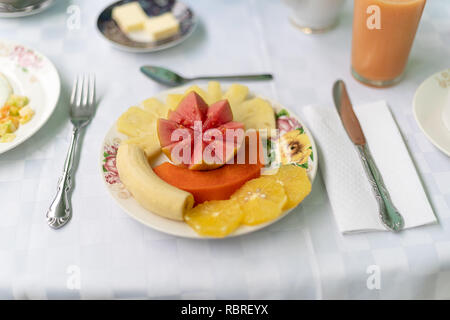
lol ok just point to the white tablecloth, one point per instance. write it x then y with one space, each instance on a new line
103 253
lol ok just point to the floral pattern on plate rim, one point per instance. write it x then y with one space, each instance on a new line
24 58
287 123
443 79
109 168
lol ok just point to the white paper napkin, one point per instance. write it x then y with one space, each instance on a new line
354 205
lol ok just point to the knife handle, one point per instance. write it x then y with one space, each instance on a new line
390 217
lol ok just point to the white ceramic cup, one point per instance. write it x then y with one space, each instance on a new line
313 16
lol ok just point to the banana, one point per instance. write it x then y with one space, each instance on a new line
256 114
147 188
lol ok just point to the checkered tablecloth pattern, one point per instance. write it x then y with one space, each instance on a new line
103 253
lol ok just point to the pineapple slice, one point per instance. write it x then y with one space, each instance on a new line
136 122
155 107
236 94
149 142
214 91
215 218
200 92
296 184
261 200
256 114
173 100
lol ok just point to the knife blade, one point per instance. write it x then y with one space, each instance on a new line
389 215
348 116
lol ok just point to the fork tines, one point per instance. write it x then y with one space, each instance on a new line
83 92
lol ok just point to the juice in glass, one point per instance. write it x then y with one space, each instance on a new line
383 34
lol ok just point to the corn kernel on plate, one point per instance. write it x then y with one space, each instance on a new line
29 92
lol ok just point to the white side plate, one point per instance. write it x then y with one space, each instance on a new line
33 75
429 101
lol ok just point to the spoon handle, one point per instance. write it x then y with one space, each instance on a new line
236 77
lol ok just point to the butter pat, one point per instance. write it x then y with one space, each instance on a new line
163 26
130 17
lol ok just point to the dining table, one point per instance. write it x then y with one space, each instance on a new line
105 254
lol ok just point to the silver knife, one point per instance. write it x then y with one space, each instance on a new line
389 215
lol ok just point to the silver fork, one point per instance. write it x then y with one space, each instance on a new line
82 109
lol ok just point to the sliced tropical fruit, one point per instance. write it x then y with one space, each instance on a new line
214 155
261 200
136 122
296 184
199 131
147 188
215 218
166 133
236 94
149 142
180 153
202 93
173 100
254 151
217 184
214 91
295 147
256 114
192 108
218 113
155 107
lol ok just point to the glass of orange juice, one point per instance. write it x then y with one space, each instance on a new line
383 34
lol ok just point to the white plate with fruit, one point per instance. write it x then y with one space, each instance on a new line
156 177
29 92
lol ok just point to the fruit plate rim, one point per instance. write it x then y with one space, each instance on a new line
180 228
